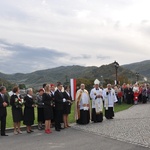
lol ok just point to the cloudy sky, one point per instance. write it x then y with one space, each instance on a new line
41 34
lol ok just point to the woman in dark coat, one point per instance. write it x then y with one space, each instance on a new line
48 108
129 94
16 102
67 106
29 110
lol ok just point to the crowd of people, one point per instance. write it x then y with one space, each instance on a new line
133 94
53 108
54 105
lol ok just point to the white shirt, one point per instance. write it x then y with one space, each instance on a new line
135 89
17 95
53 92
67 93
29 96
2 95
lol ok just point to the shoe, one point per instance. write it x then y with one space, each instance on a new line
107 118
68 126
20 132
61 128
4 135
28 131
31 131
15 132
111 118
57 130
47 132
39 128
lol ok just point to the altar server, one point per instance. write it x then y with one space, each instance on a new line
109 100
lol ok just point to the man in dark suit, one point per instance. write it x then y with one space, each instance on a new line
3 112
58 106
52 94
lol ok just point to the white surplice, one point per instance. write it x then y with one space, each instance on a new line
97 103
109 99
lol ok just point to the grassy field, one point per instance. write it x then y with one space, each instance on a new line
71 116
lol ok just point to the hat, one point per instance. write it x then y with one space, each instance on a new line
96 81
52 85
41 90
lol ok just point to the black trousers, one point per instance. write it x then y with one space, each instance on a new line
3 124
109 113
58 118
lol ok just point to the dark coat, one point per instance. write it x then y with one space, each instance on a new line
16 111
129 95
28 111
67 105
3 111
48 106
58 100
47 100
12 101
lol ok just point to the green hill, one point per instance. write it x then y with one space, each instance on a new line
37 78
7 84
142 68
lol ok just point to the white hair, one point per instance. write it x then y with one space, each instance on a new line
108 85
28 90
82 84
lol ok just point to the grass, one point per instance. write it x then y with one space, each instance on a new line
121 107
9 122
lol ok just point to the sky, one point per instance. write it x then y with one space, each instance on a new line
43 34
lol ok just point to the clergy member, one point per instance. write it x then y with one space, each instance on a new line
109 100
82 106
97 102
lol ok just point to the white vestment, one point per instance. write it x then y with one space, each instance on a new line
97 103
109 98
84 100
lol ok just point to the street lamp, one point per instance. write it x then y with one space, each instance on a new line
137 76
102 80
116 64
66 83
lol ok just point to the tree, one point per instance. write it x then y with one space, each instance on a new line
22 86
88 83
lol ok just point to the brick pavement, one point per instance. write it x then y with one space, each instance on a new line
131 125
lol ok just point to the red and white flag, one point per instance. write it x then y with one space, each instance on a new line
73 88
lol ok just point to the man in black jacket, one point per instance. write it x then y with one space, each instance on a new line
3 112
58 106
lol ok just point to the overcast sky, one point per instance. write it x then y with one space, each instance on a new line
42 34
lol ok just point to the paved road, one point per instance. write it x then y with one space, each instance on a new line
68 139
130 130
131 126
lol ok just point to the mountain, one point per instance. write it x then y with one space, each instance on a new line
142 68
63 73
6 83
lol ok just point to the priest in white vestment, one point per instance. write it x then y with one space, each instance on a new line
82 106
